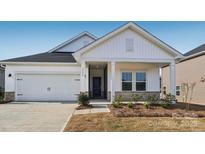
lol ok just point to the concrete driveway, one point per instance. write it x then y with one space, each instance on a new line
34 117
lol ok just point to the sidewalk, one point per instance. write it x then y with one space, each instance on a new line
95 109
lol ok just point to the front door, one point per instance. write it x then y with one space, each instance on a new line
96 87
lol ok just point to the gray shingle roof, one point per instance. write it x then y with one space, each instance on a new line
55 57
196 50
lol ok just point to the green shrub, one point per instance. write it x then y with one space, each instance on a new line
170 98
164 103
153 99
146 105
115 104
83 99
130 105
119 99
136 97
1 93
167 101
1 98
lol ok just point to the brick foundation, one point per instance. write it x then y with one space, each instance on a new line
127 95
9 96
108 95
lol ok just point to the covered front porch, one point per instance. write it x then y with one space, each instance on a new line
133 58
103 81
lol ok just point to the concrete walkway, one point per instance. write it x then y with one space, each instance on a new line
95 109
34 117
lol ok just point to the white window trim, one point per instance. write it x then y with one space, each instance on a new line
126 81
126 44
141 81
179 90
134 80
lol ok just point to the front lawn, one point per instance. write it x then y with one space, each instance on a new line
106 122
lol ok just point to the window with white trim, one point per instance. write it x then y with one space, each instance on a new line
140 81
129 44
126 81
178 90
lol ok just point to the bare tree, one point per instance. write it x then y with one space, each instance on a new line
187 92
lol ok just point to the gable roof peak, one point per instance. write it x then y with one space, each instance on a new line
196 50
73 39
136 28
88 33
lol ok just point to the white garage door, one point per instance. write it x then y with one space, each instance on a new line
47 87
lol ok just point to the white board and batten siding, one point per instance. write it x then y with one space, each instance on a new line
151 70
115 47
76 45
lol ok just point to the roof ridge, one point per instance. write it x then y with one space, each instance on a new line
196 50
73 39
44 57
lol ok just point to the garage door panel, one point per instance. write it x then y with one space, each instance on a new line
47 87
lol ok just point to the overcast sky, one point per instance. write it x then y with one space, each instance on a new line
27 38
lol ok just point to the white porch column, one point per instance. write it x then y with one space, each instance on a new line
82 76
172 78
86 77
112 81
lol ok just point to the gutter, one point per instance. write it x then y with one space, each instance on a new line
35 63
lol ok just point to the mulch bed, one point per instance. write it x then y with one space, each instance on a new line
82 107
175 110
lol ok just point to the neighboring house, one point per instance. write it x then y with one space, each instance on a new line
125 61
189 70
2 78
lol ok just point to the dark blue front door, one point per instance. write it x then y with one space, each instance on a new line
96 86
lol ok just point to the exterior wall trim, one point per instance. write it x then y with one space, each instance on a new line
133 79
108 59
38 63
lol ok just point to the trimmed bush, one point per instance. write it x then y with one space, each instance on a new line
1 94
1 98
146 105
130 105
119 99
116 104
164 103
167 101
153 99
170 98
83 99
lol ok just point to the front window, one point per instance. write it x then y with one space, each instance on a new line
126 81
140 81
178 90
